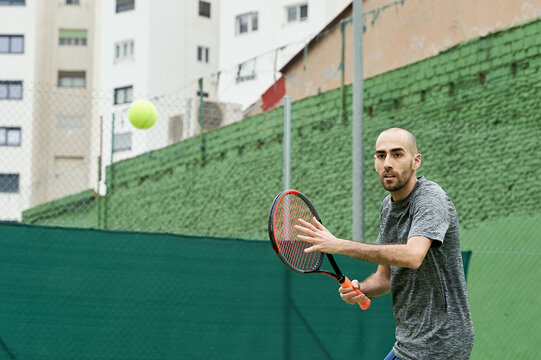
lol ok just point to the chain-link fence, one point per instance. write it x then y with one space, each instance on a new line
57 141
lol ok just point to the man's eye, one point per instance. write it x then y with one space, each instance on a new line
397 155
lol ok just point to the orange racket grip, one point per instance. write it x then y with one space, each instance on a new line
365 304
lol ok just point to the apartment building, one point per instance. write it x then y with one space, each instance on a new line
64 118
47 53
17 58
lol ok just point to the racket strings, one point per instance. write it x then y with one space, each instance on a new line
289 210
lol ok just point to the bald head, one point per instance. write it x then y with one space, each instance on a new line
405 137
396 161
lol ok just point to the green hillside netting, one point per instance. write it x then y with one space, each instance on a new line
503 287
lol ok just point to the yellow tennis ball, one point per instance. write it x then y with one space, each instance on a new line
142 114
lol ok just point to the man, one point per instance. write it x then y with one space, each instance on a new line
418 256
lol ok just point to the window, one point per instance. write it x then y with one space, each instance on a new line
124 5
123 95
246 71
12 2
12 90
204 8
297 13
122 141
71 79
246 23
124 50
11 44
203 54
72 2
72 37
9 183
10 136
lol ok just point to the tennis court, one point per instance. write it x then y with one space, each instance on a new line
153 244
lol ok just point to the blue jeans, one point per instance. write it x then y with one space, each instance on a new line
392 356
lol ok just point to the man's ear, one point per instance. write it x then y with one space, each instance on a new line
417 161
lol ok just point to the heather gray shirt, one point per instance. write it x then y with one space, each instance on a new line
430 304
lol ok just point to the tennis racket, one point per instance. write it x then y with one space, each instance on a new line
287 208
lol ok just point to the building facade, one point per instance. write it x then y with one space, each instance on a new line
258 37
47 73
17 60
64 116
397 33
167 52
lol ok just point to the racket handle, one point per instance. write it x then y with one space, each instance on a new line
365 304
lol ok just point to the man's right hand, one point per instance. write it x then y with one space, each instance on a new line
349 295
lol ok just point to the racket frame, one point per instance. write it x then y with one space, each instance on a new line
337 275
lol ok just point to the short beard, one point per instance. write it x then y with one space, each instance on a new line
402 180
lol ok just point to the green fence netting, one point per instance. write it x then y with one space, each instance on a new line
93 294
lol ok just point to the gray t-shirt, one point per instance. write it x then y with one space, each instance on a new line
430 304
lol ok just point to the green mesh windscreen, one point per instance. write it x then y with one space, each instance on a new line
91 294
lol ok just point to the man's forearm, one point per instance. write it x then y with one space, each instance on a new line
408 255
377 284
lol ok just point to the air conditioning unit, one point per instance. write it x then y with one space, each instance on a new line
216 114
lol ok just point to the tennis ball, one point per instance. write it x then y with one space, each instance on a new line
142 114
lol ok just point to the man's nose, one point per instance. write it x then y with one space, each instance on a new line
387 164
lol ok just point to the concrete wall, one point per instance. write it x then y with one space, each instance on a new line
399 33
